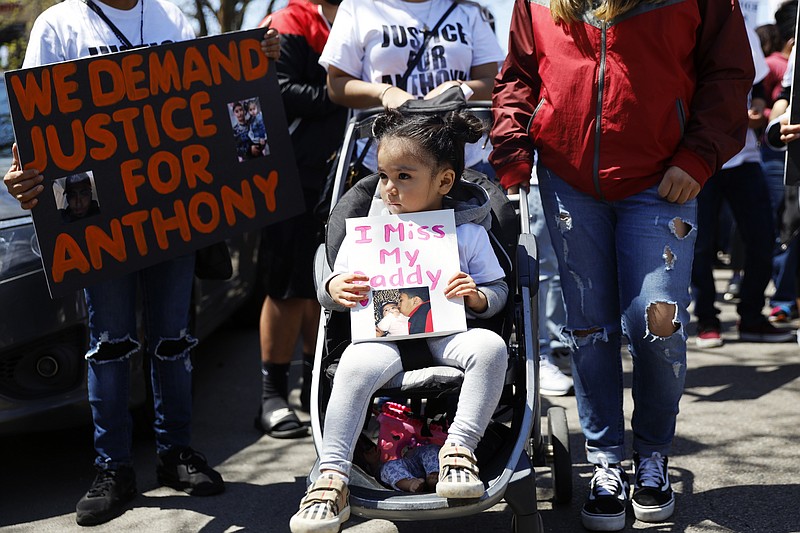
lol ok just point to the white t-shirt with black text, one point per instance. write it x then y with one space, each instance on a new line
71 30
374 40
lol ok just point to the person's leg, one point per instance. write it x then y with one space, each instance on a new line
289 311
483 356
709 203
362 370
784 265
166 297
113 340
308 334
748 196
655 243
552 316
583 231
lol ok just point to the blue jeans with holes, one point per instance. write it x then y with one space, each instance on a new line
166 290
616 260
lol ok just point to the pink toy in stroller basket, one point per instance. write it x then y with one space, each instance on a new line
400 430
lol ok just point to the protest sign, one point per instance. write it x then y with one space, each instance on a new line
152 153
409 259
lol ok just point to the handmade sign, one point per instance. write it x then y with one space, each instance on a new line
409 259
152 153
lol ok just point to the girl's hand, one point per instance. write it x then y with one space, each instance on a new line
347 289
462 284
24 185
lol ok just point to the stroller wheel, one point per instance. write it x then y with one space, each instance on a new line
531 523
559 454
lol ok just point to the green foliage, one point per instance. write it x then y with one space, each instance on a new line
20 17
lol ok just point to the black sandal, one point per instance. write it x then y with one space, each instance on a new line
278 420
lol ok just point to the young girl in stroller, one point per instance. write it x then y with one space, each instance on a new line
420 161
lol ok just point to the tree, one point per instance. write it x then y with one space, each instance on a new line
220 16
16 24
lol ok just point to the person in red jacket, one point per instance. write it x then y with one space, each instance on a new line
630 106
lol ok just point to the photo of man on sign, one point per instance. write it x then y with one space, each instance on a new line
75 196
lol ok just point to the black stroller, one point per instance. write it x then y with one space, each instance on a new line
513 442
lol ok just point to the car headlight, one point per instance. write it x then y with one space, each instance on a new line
19 251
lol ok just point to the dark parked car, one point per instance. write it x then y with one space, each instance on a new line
43 341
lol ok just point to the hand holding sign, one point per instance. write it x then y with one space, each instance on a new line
348 289
24 185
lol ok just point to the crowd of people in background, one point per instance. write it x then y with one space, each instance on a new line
636 194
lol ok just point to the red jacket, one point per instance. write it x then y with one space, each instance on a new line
610 106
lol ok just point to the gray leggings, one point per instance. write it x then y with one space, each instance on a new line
366 367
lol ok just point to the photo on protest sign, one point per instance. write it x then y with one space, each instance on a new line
248 129
153 128
409 259
76 196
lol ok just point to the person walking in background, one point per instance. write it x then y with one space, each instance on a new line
741 182
290 310
628 122
71 30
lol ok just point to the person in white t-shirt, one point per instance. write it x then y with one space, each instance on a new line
372 43
76 29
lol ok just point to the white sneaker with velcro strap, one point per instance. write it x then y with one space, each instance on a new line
324 508
458 473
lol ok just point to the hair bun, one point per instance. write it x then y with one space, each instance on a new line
465 126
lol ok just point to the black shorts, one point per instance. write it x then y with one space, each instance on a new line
288 250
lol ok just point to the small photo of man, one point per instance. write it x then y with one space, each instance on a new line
76 197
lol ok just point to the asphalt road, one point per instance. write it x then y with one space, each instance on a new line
734 466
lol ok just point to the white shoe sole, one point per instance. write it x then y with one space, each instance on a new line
653 513
334 525
605 522
460 490
708 343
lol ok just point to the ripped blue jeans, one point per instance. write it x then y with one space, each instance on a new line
619 262
166 290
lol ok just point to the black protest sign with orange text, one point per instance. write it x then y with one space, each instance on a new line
152 153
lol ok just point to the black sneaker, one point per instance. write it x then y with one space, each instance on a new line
106 498
187 470
653 500
604 509
763 331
